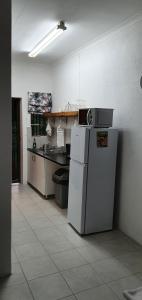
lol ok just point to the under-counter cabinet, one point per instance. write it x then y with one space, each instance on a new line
40 171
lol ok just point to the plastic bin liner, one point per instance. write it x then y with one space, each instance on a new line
61 176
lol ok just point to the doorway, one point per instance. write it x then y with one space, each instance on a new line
16 168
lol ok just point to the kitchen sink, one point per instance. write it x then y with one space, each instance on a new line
55 150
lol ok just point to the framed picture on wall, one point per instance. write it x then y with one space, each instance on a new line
39 102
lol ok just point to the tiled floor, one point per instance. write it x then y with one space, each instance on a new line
50 261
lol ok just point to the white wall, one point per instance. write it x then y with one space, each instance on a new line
107 74
27 77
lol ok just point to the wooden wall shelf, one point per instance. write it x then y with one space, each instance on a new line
61 114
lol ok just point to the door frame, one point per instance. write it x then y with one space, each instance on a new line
20 138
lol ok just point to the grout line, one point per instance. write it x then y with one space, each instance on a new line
75 247
26 280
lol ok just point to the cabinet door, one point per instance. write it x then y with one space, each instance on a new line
36 172
31 165
39 174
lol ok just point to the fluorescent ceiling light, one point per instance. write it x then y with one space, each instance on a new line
48 39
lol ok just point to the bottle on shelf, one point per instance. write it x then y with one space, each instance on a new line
34 143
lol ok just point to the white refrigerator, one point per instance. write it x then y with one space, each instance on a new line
92 179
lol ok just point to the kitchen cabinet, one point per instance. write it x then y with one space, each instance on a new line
40 171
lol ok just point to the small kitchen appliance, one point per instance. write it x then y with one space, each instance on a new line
96 117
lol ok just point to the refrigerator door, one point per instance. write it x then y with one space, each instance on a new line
79 144
77 195
101 180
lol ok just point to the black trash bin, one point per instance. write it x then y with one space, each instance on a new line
61 179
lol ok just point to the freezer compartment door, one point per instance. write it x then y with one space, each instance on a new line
77 195
79 144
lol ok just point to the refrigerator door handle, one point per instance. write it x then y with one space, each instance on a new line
78 162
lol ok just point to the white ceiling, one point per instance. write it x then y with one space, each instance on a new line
86 20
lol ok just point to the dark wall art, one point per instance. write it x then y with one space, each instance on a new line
39 102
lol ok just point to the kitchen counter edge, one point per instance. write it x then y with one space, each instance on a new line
58 158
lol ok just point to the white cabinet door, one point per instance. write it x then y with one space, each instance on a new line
40 171
39 176
31 167
36 172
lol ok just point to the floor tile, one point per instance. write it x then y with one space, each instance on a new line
39 222
109 235
16 292
57 244
25 237
66 229
32 213
30 250
20 226
120 246
13 256
63 212
45 244
99 293
68 259
45 233
57 220
52 211
52 287
139 275
81 278
68 232
44 203
93 253
17 277
128 283
110 269
133 261
70 298
17 217
37 267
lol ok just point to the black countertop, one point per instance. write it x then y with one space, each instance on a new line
58 158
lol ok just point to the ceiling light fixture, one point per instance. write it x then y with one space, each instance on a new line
48 39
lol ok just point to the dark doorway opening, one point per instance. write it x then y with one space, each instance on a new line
16 170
